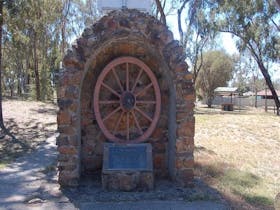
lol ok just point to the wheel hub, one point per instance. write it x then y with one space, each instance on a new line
127 101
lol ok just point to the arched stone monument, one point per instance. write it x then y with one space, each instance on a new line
125 80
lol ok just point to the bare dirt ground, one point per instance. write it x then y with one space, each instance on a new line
238 153
30 122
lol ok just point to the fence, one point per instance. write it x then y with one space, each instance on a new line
241 101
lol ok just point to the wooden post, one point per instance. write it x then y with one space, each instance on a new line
265 99
239 103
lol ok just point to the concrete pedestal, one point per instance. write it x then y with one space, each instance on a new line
128 181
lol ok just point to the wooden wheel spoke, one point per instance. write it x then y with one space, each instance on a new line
145 102
118 123
127 126
121 117
144 89
143 114
110 89
137 123
111 114
109 102
117 79
136 81
127 77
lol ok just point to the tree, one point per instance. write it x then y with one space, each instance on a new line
197 32
1 29
257 84
253 22
194 31
34 45
2 125
160 9
245 73
63 21
216 71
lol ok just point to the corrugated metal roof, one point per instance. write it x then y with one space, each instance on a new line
262 93
226 89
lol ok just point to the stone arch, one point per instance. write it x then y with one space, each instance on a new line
121 33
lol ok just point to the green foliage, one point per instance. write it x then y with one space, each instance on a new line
194 30
253 22
216 71
36 35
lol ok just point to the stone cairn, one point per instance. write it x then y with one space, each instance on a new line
125 33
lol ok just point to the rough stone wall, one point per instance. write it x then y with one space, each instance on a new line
92 137
125 33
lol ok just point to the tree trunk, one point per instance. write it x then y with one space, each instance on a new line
63 44
270 85
256 98
278 2
209 102
36 70
162 14
1 28
255 91
12 91
66 6
19 80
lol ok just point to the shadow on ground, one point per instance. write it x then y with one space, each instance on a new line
24 137
30 177
31 181
90 190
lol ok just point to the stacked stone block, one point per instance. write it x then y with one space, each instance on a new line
125 33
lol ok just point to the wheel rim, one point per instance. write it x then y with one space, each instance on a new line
127 101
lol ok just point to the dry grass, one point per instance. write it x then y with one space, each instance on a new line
30 122
238 153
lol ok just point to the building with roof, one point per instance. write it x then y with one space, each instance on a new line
266 94
226 93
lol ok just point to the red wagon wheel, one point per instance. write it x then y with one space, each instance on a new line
127 101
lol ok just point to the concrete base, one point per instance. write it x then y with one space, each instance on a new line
128 181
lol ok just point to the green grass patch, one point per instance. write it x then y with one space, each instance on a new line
258 199
247 185
239 180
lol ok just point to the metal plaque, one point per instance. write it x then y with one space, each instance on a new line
127 157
